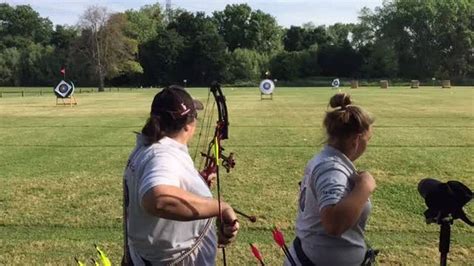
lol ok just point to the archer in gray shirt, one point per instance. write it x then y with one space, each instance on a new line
334 197
326 181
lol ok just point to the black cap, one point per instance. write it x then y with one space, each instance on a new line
176 101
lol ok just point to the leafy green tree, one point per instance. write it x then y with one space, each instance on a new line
316 35
64 36
204 57
303 38
26 56
233 24
144 24
246 65
294 39
103 40
160 57
243 28
454 31
264 33
427 36
365 32
287 65
10 67
38 65
122 51
379 60
21 25
310 64
94 39
338 33
339 60
63 40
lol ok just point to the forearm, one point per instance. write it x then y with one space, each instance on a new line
176 204
340 217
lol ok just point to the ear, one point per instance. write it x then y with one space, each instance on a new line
354 140
186 128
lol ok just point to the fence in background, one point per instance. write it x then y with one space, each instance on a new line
23 92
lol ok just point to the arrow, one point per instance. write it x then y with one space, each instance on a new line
280 240
256 254
251 218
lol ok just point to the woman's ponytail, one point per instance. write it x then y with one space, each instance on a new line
171 110
152 129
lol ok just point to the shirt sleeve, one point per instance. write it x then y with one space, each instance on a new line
160 170
330 187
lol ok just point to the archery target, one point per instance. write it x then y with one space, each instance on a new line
335 83
267 86
64 89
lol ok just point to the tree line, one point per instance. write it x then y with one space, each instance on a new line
150 46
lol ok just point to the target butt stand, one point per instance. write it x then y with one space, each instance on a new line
71 100
64 92
264 96
266 89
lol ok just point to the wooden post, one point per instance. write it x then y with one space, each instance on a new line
415 84
446 84
384 84
354 84
265 96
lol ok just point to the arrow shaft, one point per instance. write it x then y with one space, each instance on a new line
252 218
288 255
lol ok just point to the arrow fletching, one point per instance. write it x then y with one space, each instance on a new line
278 237
103 258
256 253
280 240
79 263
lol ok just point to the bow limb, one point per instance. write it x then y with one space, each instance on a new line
215 152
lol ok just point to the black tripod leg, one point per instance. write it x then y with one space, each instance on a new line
444 239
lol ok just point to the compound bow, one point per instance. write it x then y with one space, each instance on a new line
215 152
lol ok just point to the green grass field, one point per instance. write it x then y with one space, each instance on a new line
61 169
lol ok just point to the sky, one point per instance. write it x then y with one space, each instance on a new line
286 12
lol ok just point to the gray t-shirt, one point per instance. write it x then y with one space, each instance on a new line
327 179
157 239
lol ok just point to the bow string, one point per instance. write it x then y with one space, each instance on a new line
214 157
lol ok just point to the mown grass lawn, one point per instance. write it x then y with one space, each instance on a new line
61 169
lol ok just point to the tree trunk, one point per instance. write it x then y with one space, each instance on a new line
101 81
100 69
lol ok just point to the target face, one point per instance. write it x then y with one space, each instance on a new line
335 83
267 86
64 89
